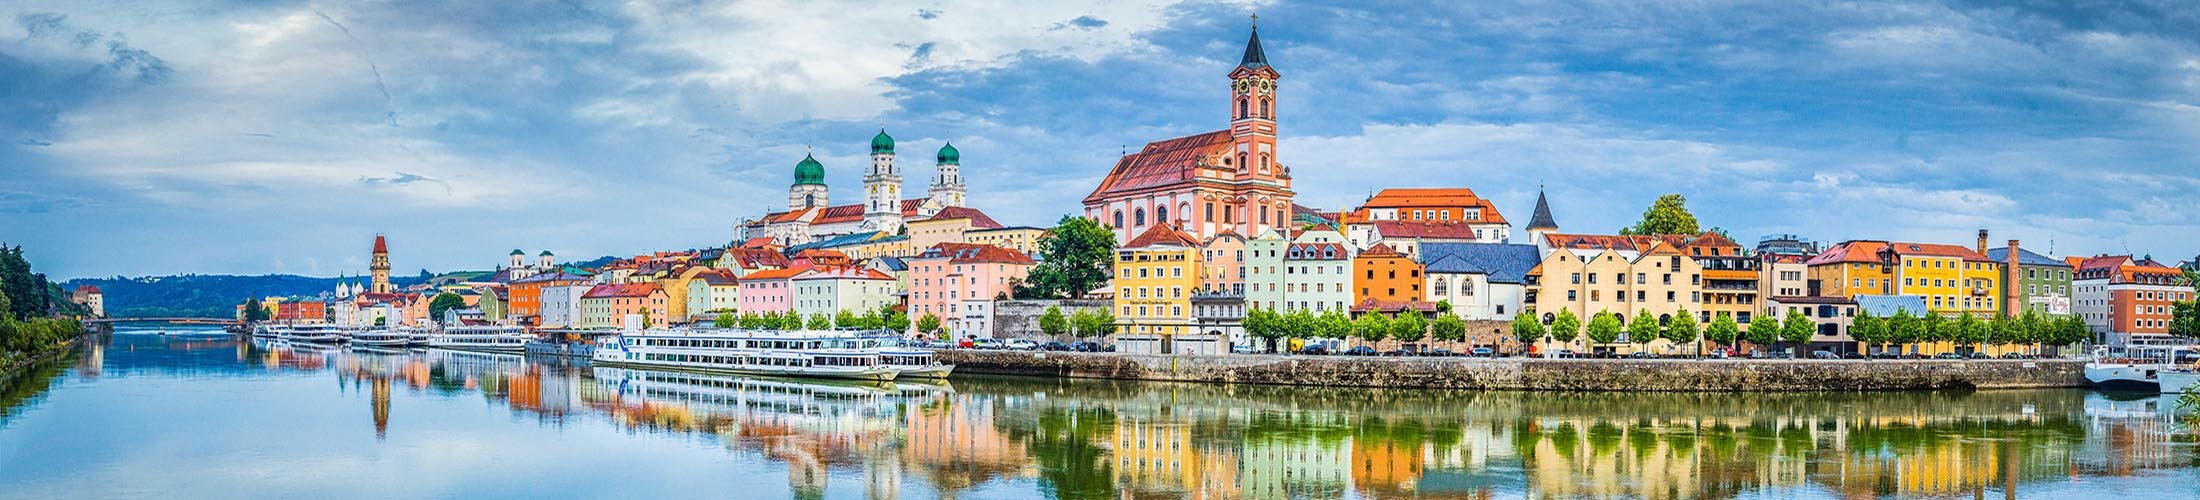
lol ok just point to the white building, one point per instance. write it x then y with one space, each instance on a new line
1482 281
561 305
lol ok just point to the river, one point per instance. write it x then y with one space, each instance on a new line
138 414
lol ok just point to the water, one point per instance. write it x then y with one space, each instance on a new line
146 415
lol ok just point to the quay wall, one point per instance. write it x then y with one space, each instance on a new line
1653 375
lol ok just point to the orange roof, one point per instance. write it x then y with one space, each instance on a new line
776 274
1161 164
380 246
977 219
757 242
1162 234
1425 198
1867 251
972 253
1453 230
622 290
1380 251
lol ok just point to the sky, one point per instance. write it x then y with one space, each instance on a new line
249 137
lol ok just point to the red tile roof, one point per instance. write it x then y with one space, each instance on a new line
961 253
977 219
1161 164
1867 251
776 274
1163 234
1380 250
1316 251
1425 229
87 289
1426 198
718 277
759 242
380 246
622 290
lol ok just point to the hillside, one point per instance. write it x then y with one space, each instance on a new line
209 296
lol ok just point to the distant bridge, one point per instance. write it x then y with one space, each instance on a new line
181 321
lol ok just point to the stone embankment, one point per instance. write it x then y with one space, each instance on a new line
1676 375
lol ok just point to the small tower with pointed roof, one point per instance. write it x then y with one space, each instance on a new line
882 187
379 266
808 190
1541 223
1253 113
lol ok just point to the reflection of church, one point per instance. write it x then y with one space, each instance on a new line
810 215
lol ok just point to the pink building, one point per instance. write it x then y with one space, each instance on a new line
949 273
1225 261
769 291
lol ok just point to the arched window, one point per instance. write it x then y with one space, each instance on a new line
1242 104
1161 215
1139 215
1243 164
1184 210
1119 218
809 200
1264 109
1264 163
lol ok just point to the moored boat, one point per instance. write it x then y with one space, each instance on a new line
384 338
729 353
2139 368
316 334
511 339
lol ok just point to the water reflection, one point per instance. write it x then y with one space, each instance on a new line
1018 438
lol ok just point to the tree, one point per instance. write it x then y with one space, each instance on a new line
1443 306
2072 330
1796 329
1763 332
845 319
1103 322
1644 329
897 321
1075 257
1905 328
1264 324
1970 331
1682 329
750 321
724 320
790 321
1723 331
256 311
929 324
1053 322
1371 327
2034 328
871 320
26 290
1933 332
1526 328
1298 324
2184 319
1565 327
1604 327
1409 327
444 302
1448 328
1668 215
1332 324
1868 329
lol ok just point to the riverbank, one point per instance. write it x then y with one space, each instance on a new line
1514 374
20 364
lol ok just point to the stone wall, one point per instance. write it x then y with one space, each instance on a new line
1013 319
1534 374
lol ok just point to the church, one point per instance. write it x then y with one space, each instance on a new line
1225 181
811 216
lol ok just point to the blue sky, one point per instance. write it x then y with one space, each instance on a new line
257 137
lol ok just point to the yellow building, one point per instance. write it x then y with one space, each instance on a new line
1155 277
1022 239
1623 275
1952 279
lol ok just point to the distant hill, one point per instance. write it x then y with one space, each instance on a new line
208 296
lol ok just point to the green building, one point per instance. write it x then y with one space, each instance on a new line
2039 282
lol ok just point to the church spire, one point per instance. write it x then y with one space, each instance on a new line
1542 218
1255 58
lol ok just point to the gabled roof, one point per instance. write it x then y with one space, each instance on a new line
1542 218
1867 251
970 253
87 289
1453 230
1162 234
977 218
1503 263
776 274
1316 251
718 278
622 290
891 263
1380 251
1160 164
1405 198
2024 258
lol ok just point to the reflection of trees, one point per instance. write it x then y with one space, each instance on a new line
1065 441
30 384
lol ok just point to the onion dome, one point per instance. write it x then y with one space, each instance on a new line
516 251
882 143
546 253
949 156
809 171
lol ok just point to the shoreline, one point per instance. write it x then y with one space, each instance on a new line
1517 374
8 373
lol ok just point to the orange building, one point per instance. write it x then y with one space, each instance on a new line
1383 274
2127 300
301 311
1442 206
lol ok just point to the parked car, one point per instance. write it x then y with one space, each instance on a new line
1640 355
1720 354
1886 355
1021 344
1981 355
1852 355
1054 345
2015 355
1483 352
1360 351
1438 353
1314 350
1947 355
1824 355
1083 346
1395 352
1567 353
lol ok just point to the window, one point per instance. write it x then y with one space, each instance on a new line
1243 105
1140 217
1161 215
1119 218
1210 212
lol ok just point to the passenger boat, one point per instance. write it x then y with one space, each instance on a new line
270 331
511 339
742 353
2139 368
385 338
894 353
316 334
419 338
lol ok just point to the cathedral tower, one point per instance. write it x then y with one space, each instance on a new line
947 186
882 187
809 185
379 267
1253 113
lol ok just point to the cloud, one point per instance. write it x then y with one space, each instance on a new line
1081 22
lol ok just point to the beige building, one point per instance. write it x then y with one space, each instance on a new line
1021 239
1624 275
948 226
1784 276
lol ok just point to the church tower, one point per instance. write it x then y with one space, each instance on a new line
1541 225
379 267
1253 114
809 185
947 186
882 187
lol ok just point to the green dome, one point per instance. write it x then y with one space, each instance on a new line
809 171
949 156
882 143
516 251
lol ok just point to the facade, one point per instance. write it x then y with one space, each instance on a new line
949 275
975 320
561 305
526 294
1021 239
768 291
1952 279
492 305
1784 275
1204 184
1311 271
811 216
950 225
609 306
2034 282
2126 300
1482 281
1730 275
1224 257
1832 315
91 298
1787 244
713 292
1406 237
1433 209
299 311
1221 313
1623 275
1383 274
1156 275
829 291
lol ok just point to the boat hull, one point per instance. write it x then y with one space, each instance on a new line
930 372
2124 377
519 349
871 375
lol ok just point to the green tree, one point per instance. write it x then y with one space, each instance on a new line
1644 329
791 321
1371 327
1868 329
1443 306
2072 330
1103 321
750 321
1796 329
26 290
1763 331
1264 324
1409 326
2184 319
929 324
1970 331
1934 332
1526 328
444 302
1053 322
1565 327
256 311
1299 324
1668 215
1682 329
1723 331
898 321
845 319
871 320
724 320
1333 324
1448 328
2034 328
1074 258
1604 327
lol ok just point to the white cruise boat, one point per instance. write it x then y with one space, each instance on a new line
481 338
894 352
2138 368
742 353
267 331
385 338
316 334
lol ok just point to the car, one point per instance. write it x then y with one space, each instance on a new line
1483 352
1641 355
1314 350
1567 353
1947 355
2015 355
1395 352
1054 345
1243 349
1021 344
1360 351
1438 353
1886 355
1720 354
1824 355
1852 355
1981 355
1082 346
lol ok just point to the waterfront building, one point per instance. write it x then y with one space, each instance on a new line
1310 271
609 306
526 293
1019 238
768 291
810 215
1787 244
299 311
950 225
711 292
2126 300
561 305
830 290
1155 277
91 298
1380 273
1203 184
2032 281
1220 313
1953 279
1224 257
676 283
744 260
975 320
491 302
1730 276
1406 237
1483 281
1832 314
1785 275
949 275
1454 214
1623 275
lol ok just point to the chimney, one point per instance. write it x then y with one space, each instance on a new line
2010 306
1982 242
